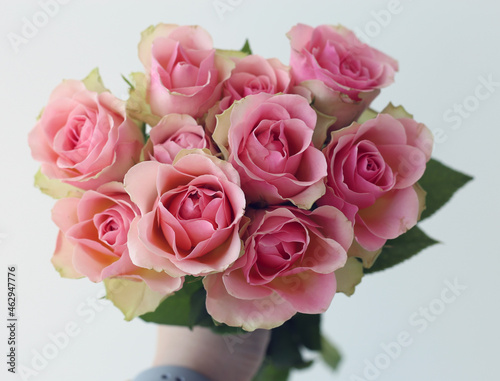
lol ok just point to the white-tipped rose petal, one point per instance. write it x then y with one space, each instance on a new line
133 298
265 313
349 276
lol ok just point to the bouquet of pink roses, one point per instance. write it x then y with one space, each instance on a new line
235 192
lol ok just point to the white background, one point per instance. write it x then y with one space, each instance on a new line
443 48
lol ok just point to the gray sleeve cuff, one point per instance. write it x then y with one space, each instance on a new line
170 373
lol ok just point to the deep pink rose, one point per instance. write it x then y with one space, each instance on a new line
343 74
287 267
372 170
185 72
172 134
190 214
93 238
251 75
268 139
84 137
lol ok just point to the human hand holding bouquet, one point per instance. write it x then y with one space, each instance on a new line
234 192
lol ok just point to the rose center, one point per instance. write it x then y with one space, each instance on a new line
258 85
74 132
191 208
370 167
108 229
353 68
273 143
278 252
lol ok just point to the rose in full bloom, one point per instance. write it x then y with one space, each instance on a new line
83 137
343 74
372 173
93 239
190 213
268 139
251 75
172 134
287 267
185 73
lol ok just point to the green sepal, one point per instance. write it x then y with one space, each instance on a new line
269 372
246 47
130 85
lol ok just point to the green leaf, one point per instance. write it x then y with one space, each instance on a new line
246 48
176 309
329 353
402 248
223 329
308 330
269 372
284 348
197 311
187 308
440 182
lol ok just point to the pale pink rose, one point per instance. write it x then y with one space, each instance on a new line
372 171
287 267
93 239
343 74
172 134
251 75
190 214
184 70
84 137
268 139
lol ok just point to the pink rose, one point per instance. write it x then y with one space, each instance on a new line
343 74
372 171
185 72
287 267
268 139
93 239
251 75
190 214
172 134
84 137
